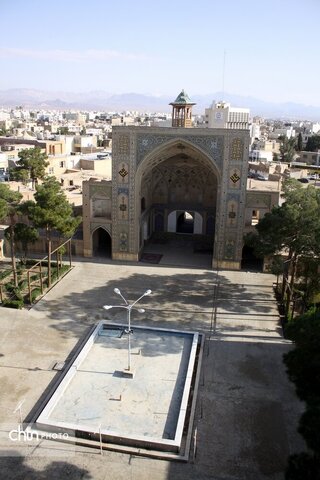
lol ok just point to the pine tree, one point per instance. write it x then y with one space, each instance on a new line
9 208
31 165
52 211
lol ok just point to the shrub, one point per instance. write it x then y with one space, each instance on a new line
13 303
5 274
23 284
36 292
35 277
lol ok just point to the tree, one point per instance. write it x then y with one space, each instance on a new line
52 211
302 364
299 142
25 234
9 208
276 267
32 165
292 229
313 143
63 130
287 148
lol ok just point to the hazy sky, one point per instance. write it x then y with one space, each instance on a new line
160 46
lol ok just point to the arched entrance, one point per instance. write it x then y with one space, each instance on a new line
185 223
101 243
250 261
179 186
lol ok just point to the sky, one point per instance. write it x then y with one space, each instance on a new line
268 50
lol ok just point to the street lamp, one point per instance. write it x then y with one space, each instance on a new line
128 307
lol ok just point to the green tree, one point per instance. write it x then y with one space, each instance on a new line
276 267
63 130
25 234
308 271
287 148
52 211
292 229
9 208
31 165
313 143
302 364
299 142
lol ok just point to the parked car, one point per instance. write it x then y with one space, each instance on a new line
260 177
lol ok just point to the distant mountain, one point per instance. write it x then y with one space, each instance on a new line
101 100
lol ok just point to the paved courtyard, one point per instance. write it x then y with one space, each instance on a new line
247 411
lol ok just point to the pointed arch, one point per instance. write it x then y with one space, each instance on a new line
101 241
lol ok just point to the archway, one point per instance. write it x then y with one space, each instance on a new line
185 223
179 186
250 261
101 243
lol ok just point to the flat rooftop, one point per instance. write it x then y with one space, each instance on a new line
267 185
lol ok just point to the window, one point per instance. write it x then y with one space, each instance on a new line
62 165
255 217
51 170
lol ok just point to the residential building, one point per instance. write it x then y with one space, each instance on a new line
222 115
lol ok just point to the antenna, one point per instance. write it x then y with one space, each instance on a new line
223 72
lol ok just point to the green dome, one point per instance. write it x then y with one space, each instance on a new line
182 99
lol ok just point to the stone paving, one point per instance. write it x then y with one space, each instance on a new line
247 411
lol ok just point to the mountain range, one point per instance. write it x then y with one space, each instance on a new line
104 101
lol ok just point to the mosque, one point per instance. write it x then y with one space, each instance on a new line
171 181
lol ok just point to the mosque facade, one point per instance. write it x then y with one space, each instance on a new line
168 181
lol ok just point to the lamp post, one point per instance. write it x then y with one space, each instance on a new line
128 307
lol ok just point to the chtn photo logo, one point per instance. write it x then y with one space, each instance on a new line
20 435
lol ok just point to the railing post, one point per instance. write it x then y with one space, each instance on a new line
29 286
41 280
57 255
69 244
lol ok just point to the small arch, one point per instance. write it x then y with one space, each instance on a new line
210 225
250 261
185 222
158 222
101 243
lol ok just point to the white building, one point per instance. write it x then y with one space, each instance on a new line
315 128
288 132
260 156
3 162
255 131
222 115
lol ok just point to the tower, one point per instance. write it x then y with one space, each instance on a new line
182 110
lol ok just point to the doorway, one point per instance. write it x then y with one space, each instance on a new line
101 243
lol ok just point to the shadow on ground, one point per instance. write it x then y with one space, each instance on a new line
15 468
184 298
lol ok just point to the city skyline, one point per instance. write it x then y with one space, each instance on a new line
158 49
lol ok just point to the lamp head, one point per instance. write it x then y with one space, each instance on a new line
148 292
107 307
141 310
117 291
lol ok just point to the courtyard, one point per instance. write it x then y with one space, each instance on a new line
247 412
